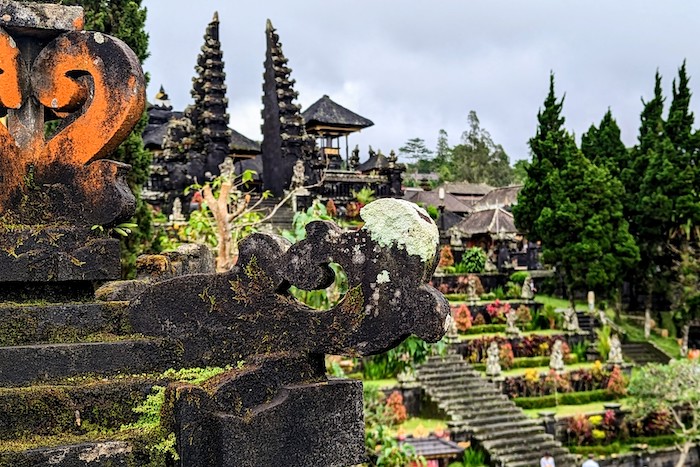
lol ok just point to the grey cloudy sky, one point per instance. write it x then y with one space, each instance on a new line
414 67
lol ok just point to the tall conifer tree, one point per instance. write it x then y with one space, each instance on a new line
548 148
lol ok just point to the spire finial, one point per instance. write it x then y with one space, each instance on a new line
215 19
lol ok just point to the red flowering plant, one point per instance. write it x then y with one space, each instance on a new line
506 355
395 408
617 383
498 310
579 430
462 317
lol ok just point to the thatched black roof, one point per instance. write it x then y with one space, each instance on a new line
326 113
502 197
243 144
376 161
487 221
432 198
434 448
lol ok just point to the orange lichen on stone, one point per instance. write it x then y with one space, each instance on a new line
114 97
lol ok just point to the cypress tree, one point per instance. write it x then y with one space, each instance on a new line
548 148
603 146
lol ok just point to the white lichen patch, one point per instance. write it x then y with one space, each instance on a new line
448 322
383 277
357 256
107 449
397 222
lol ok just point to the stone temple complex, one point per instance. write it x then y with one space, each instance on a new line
189 146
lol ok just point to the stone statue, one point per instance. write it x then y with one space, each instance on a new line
511 327
615 353
556 360
528 290
471 290
493 363
298 178
177 215
227 169
571 320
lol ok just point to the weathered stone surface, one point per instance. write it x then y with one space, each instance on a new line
107 453
56 253
258 416
57 323
186 259
40 19
247 315
247 311
33 363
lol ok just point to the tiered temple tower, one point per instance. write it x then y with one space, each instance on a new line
284 137
208 113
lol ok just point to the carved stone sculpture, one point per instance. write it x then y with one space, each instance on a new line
511 326
493 363
471 290
571 320
615 353
528 290
556 359
247 314
57 187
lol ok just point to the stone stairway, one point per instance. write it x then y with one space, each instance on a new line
642 353
282 220
474 405
586 322
70 375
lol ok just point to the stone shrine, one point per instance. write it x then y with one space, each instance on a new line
75 361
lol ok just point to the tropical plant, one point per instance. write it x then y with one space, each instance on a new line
473 261
672 388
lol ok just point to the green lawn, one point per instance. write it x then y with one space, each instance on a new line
545 369
559 302
539 332
569 410
380 383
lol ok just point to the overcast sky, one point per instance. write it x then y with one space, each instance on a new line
414 67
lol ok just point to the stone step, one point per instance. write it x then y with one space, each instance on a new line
504 415
515 444
60 323
489 429
509 432
20 365
103 453
483 402
60 409
449 378
464 398
643 352
445 368
451 395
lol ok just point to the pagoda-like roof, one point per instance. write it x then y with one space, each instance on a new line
432 198
502 197
467 189
434 448
376 161
242 144
328 117
488 221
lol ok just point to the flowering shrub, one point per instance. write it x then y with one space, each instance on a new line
523 314
479 320
463 284
497 310
617 383
462 317
534 384
579 429
528 346
446 257
506 355
395 408
444 288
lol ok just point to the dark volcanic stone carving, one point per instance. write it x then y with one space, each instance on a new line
247 315
56 188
